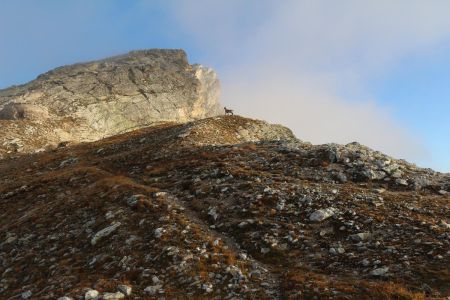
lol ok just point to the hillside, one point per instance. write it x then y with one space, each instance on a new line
221 208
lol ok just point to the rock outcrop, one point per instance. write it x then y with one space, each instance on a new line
112 96
18 111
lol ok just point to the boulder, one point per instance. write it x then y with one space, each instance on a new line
20 111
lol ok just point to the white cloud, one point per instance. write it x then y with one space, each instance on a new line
304 63
317 116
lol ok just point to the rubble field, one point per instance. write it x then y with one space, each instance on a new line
221 208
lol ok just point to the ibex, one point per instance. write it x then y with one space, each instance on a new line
228 111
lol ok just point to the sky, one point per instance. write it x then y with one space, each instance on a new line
373 71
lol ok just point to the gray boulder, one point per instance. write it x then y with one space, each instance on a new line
322 214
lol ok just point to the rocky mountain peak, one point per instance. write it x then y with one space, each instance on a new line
88 101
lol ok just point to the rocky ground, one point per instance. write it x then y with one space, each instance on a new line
221 208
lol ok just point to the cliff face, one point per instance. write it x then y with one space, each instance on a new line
114 95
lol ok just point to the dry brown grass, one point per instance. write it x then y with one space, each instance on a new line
100 181
315 285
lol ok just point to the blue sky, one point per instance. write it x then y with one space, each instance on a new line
418 92
376 72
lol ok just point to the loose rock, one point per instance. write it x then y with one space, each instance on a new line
104 233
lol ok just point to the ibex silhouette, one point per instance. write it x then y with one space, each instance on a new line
228 111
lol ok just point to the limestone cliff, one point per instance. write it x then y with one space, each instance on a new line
88 101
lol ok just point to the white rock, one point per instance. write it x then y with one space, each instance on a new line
109 215
152 289
208 288
213 213
362 236
321 214
337 250
281 204
125 289
444 224
242 256
242 224
340 250
158 232
365 262
379 271
91 294
265 250
65 298
104 232
155 279
401 181
113 296
379 190
68 161
161 194
10 239
26 295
